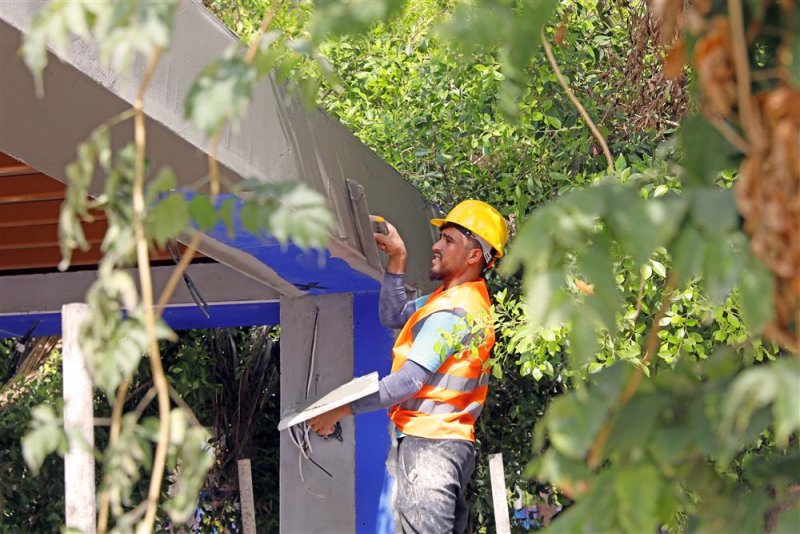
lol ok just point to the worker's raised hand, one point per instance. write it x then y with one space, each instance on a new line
392 244
323 424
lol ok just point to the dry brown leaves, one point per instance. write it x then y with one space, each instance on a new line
768 189
650 103
713 61
768 196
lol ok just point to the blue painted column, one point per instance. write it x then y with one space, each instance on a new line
371 352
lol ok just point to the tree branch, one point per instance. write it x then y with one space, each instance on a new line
741 65
146 283
214 177
651 347
730 134
116 424
600 139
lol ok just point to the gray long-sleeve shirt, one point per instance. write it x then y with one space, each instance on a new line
394 309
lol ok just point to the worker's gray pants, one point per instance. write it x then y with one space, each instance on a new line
432 476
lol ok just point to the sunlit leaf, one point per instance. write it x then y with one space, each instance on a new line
202 212
221 92
46 435
168 219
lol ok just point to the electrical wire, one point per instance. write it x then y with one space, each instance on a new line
300 434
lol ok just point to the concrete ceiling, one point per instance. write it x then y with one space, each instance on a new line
277 140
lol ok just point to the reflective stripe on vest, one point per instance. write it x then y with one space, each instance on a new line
432 407
452 399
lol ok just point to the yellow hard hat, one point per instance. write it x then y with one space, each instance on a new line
482 220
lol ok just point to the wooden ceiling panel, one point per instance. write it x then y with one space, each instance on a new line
44 235
45 257
19 214
27 187
11 166
30 204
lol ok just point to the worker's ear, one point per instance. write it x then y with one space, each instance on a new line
475 256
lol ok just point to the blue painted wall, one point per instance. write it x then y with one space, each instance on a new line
310 270
372 346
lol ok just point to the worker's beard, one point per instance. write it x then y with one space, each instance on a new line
437 270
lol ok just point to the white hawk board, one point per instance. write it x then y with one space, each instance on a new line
345 394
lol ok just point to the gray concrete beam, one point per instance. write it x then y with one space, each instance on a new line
277 140
45 293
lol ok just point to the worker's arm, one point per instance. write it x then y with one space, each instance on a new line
393 299
427 352
392 389
393 306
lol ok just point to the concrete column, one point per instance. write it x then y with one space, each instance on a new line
313 502
79 483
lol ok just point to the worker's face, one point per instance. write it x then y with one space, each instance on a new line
451 254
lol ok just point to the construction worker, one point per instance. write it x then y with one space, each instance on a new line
434 392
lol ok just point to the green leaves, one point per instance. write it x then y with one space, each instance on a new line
574 419
757 288
76 205
776 383
287 211
46 435
190 456
202 212
113 345
221 92
714 209
638 489
705 152
513 30
341 17
168 219
123 464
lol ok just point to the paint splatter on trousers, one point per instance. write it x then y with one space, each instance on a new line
432 476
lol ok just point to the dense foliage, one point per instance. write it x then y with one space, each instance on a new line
637 286
28 503
439 118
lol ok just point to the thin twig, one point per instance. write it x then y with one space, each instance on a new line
214 176
173 393
741 65
600 139
145 402
265 23
146 283
651 347
147 384
116 425
730 134
117 119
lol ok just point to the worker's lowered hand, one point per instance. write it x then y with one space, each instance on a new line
323 424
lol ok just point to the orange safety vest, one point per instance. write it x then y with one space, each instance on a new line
448 405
